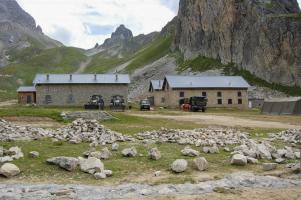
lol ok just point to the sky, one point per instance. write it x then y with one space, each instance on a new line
83 23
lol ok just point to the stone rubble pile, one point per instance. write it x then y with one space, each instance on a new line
11 132
291 136
89 131
198 137
251 152
8 155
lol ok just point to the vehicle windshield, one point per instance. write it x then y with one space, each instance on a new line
144 102
198 100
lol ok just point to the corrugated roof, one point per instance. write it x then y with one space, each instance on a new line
288 99
26 89
207 82
157 84
82 79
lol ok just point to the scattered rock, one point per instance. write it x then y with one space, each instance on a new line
157 173
154 154
239 159
179 165
252 160
34 154
105 153
67 163
13 153
91 165
187 151
100 175
211 150
108 173
201 163
227 149
115 147
269 166
95 154
9 170
129 152
280 160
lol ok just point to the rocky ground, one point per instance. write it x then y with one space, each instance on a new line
229 183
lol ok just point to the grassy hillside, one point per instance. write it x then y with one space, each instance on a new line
201 64
150 53
56 60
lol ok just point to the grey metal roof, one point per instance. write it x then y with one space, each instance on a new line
288 99
26 89
157 84
207 82
82 79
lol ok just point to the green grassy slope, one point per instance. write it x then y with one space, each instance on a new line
201 64
56 60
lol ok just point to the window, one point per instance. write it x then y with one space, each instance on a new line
239 101
48 99
182 94
204 94
219 94
162 100
239 94
230 101
219 101
70 99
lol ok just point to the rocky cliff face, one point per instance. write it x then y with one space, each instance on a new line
18 30
123 42
261 36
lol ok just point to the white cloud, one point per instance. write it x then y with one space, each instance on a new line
82 23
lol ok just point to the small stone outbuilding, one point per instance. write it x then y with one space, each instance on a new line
26 95
282 106
156 94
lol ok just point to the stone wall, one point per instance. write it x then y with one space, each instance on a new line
23 97
173 97
78 95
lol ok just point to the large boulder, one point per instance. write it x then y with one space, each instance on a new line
179 166
91 165
129 152
239 159
154 154
9 170
187 151
67 163
201 163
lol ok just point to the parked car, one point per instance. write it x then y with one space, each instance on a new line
145 104
195 104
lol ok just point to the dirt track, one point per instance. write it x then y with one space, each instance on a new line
221 120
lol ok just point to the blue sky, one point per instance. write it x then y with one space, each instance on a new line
83 23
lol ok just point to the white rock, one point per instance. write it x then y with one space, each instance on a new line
201 163
129 152
91 165
115 147
280 160
187 151
154 154
252 160
105 153
9 170
68 163
179 165
157 173
108 173
269 166
34 154
100 175
239 159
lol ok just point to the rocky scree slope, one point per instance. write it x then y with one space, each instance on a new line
260 36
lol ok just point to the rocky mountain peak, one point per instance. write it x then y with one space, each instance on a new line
122 33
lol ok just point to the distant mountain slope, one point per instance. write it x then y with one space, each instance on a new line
262 37
18 31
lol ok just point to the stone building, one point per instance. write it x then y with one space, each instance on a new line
26 95
156 94
221 91
76 89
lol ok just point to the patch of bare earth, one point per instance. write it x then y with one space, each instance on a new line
37 122
8 103
221 120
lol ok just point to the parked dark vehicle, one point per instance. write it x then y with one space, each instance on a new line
95 103
198 103
117 103
145 104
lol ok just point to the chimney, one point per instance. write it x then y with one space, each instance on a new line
159 83
116 77
47 77
95 77
70 77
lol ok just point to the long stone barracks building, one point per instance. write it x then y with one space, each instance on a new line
221 91
76 89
